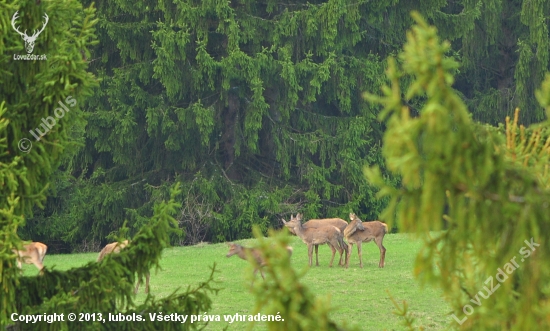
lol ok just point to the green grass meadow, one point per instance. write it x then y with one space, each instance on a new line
358 296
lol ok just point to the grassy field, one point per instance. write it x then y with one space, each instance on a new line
358 296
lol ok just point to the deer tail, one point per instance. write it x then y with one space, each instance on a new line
385 227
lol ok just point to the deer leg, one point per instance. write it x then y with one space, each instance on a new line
339 248
360 253
147 276
39 265
382 253
347 249
137 286
333 253
340 251
310 253
350 248
317 255
343 249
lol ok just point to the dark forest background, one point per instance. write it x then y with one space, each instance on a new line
256 109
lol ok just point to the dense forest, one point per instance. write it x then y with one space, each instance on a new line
188 121
255 107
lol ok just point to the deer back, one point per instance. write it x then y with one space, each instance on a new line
115 247
337 222
320 235
244 252
32 252
315 223
358 230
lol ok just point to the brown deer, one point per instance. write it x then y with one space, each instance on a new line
330 235
115 248
315 223
254 253
32 253
358 232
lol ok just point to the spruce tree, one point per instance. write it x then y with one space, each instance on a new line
31 97
483 192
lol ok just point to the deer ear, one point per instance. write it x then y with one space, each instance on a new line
230 244
282 219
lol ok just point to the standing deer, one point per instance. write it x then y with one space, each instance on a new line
315 223
115 248
358 232
254 253
330 235
32 253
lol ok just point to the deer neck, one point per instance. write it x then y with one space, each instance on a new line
350 229
300 232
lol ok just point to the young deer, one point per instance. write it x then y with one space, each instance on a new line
316 223
330 235
245 252
116 248
32 253
358 232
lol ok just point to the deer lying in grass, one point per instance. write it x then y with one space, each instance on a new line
315 223
330 235
358 232
32 253
116 248
254 253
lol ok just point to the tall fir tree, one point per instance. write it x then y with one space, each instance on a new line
485 193
31 97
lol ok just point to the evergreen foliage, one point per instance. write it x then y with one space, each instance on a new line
106 288
254 107
30 93
504 56
489 189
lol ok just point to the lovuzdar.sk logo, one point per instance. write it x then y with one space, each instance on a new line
29 40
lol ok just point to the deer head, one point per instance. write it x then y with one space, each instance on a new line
29 40
358 222
293 222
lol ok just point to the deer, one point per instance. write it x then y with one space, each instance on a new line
315 223
32 253
358 232
254 253
29 40
311 236
115 248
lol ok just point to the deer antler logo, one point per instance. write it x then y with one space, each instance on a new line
29 40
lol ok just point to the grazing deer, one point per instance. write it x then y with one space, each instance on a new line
315 223
245 252
330 235
32 253
116 248
358 232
